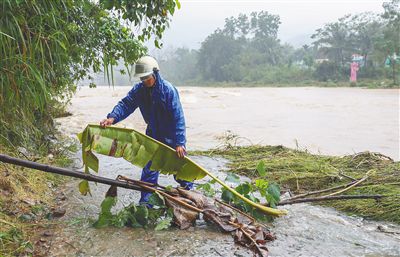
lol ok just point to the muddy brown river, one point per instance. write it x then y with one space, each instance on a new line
330 121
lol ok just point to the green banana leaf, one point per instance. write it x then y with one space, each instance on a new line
139 149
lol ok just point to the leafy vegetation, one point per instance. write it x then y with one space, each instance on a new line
246 51
159 216
259 190
47 46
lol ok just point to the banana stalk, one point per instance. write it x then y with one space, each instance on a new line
139 149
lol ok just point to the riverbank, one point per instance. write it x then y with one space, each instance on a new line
363 83
298 171
30 199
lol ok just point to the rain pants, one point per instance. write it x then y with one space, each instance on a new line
162 111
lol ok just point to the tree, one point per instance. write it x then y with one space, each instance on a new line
216 51
391 42
334 41
365 29
46 46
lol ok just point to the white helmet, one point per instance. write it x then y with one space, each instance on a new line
145 66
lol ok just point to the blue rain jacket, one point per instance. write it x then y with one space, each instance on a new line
161 109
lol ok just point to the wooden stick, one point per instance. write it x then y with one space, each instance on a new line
322 191
351 186
347 176
139 182
329 198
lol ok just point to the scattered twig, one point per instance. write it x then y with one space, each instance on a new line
347 176
329 197
322 191
351 186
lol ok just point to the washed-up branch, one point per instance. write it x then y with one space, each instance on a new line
351 186
322 191
329 198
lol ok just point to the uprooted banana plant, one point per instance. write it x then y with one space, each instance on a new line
139 149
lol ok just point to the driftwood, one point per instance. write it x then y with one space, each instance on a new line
351 186
322 191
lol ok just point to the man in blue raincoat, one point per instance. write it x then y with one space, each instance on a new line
161 109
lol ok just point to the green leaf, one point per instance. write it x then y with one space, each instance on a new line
178 4
163 224
105 216
261 169
207 189
156 199
275 191
156 43
142 215
227 196
243 189
84 187
274 194
261 183
232 178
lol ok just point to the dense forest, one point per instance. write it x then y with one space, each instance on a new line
247 50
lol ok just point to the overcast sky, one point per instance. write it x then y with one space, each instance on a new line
299 19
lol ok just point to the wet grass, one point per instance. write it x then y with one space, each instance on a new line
26 198
299 172
363 83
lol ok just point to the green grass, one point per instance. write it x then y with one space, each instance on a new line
364 83
300 172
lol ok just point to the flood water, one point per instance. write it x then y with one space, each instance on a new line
332 121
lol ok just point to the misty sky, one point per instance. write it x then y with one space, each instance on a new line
299 19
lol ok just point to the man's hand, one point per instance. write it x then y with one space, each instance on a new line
180 151
106 122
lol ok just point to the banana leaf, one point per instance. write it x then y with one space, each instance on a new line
139 149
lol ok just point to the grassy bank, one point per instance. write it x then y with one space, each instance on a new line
367 83
28 199
300 172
